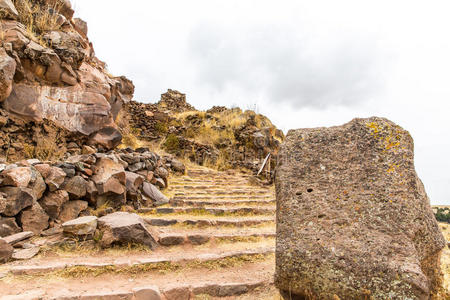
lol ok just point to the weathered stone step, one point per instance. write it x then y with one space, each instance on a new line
217 186
219 289
237 182
225 203
207 222
223 192
215 211
188 196
173 239
173 293
123 264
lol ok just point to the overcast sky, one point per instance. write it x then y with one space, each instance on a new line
301 63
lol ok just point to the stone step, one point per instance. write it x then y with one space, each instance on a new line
191 181
225 203
189 196
151 292
124 264
208 222
216 186
173 239
217 211
224 192
217 286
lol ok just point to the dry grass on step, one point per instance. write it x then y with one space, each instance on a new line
134 270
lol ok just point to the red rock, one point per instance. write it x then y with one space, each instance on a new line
147 293
153 193
125 227
178 293
34 219
19 177
6 251
8 226
7 70
76 187
53 202
107 137
16 200
71 210
55 178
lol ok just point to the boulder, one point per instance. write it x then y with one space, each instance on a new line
37 184
54 178
34 219
123 227
112 185
6 251
353 218
110 180
106 168
147 293
71 210
53 201
76 187
154 194
18 237
24 254
8 226
108 138
178 166
7 70
44 169
83 226
25 177
133 182
16 199
18 177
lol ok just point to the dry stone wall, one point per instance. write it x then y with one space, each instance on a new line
38 195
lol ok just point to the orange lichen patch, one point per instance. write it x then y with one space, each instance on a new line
389 136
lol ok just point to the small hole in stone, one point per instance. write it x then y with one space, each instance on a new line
309 190
299 193
321 216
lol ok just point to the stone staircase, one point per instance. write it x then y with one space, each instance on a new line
217 236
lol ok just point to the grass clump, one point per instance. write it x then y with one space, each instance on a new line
172 144
39 17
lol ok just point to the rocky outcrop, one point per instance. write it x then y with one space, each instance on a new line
220 137
353 218
48 71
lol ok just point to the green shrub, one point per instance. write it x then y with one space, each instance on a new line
443 215
172 144
161 128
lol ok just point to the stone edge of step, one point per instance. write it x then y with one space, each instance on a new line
39 269
141 293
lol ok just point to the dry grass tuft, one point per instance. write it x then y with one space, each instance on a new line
39 17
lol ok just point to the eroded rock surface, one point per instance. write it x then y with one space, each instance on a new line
49 71
123 227
353 218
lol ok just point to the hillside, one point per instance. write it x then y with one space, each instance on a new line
220 137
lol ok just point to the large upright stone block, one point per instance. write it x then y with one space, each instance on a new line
353 218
